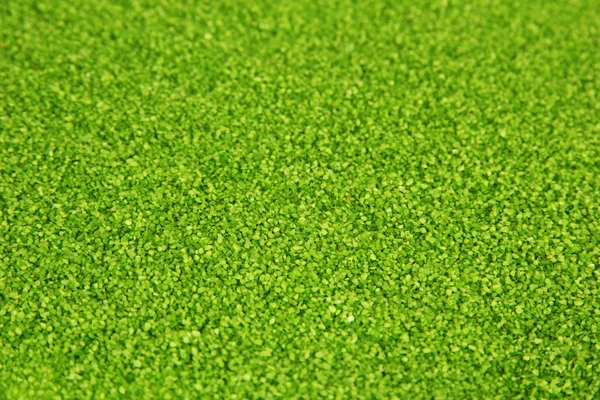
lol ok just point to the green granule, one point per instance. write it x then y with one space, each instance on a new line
299 199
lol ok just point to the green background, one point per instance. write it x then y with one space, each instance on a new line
299 199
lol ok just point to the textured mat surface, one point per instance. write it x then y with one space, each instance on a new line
299 199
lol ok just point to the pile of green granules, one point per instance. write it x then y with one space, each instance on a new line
281 199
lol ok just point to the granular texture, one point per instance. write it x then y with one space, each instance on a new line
299 199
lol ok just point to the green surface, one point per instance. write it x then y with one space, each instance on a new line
292 199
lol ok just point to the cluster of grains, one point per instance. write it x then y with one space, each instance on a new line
299 199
